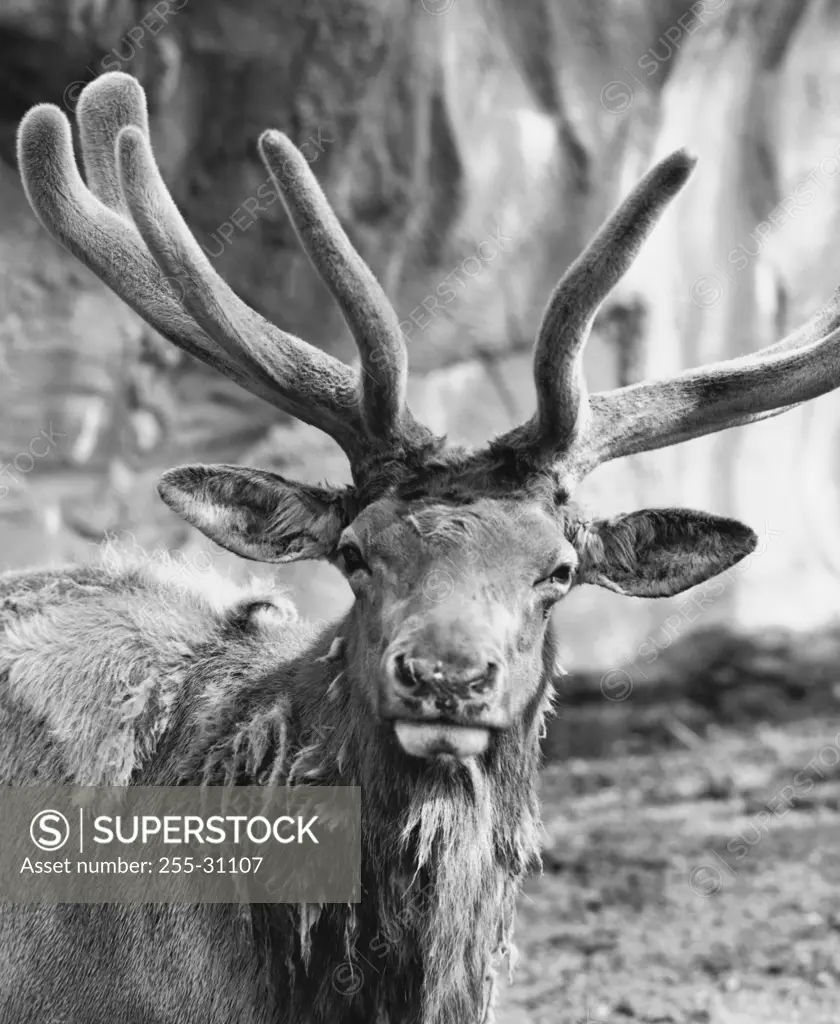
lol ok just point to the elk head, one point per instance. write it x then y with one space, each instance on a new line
455 556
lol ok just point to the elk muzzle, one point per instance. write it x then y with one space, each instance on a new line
443 687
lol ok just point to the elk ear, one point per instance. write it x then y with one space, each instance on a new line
256 514
661 552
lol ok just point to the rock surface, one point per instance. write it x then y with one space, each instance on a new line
442 134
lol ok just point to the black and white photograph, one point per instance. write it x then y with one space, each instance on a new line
419 512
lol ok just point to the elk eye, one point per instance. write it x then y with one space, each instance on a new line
350 559
562 574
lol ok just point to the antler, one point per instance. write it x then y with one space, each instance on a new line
125 226
575 432
656 414
562 404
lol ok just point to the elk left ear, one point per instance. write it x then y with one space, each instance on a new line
256 514
661 552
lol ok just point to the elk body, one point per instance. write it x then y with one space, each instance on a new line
430 694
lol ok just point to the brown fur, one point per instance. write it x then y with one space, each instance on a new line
119 677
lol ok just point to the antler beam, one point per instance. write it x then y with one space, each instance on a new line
658 414
562 403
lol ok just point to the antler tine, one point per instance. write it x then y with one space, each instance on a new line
307 383
366 308
283 370
562 403
657 414
95 234
106 106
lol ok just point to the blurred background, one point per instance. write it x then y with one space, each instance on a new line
470 148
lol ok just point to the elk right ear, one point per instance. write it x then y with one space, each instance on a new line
256 514
661 552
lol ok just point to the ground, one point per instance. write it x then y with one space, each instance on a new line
692 886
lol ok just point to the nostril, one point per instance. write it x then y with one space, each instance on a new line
420 675
405 674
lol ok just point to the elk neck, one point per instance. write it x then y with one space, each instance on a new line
445 845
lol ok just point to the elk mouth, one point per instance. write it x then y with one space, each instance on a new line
440 738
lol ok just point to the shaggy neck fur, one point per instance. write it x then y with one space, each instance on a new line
444 845
225 692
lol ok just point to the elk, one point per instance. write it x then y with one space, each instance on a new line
430 694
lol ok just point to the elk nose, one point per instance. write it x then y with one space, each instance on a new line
460 679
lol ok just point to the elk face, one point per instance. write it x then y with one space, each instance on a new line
453 603
449 636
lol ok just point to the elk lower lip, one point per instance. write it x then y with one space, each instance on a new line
430 739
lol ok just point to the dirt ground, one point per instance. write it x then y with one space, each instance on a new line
688 886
